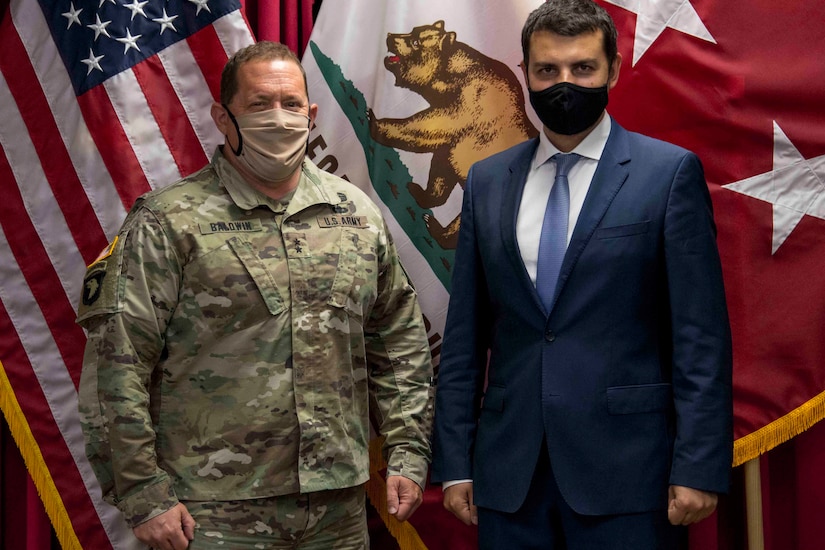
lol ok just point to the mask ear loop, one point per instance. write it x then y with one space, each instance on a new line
306 147
237 129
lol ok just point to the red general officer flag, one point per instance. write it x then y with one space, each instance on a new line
739 84
100 101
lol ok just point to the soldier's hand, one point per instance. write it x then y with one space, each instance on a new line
171 530
688 505
403 497
458 499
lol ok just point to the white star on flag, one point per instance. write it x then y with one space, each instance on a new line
73 15
137 8
166 22
653 16
92 62
794 187
202 5
100 27
129 41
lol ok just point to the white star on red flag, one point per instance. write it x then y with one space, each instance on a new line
794 187
654 16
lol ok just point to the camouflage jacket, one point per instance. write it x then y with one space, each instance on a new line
236 345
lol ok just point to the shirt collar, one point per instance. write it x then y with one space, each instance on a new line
591 146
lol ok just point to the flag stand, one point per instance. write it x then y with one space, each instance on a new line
753 505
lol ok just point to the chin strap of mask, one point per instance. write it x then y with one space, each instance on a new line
237 130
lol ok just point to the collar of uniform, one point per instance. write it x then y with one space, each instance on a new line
591 146
309 190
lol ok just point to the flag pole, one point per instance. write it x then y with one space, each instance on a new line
753 505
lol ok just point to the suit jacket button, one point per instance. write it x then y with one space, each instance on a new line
549 336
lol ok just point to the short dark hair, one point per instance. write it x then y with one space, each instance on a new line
570 18
264 50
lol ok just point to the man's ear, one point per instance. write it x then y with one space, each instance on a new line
220 117
313 114
615 69
523 66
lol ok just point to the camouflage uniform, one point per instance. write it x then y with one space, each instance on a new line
325 520
236 344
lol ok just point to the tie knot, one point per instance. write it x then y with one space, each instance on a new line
564 162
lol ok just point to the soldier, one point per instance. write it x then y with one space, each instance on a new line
242 328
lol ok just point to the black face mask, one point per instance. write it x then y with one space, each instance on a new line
568 109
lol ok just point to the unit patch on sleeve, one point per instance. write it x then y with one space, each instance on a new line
100 284
93 284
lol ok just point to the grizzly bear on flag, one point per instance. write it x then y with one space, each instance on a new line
476 109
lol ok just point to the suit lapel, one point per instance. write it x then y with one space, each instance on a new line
609 177
511 200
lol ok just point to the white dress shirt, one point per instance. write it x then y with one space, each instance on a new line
537 191
540 181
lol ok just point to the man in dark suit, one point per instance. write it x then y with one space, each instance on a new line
584 392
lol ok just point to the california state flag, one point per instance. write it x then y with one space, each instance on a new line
411 94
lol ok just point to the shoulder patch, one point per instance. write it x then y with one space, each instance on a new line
99 295
93 283
106 252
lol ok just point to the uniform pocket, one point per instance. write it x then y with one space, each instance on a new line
259 273
350 287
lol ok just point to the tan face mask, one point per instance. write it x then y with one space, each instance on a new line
271 144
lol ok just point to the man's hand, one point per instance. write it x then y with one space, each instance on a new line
172 530
403 497
458 499
688 505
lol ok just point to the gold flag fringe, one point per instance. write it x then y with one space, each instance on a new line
779 431
404 533
33 458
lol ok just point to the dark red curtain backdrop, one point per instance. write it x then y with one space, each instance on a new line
286 21
793 474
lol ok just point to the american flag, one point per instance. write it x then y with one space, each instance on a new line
100 101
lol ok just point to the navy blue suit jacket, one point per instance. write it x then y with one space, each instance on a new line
628 376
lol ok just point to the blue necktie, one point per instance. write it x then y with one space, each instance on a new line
553 243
